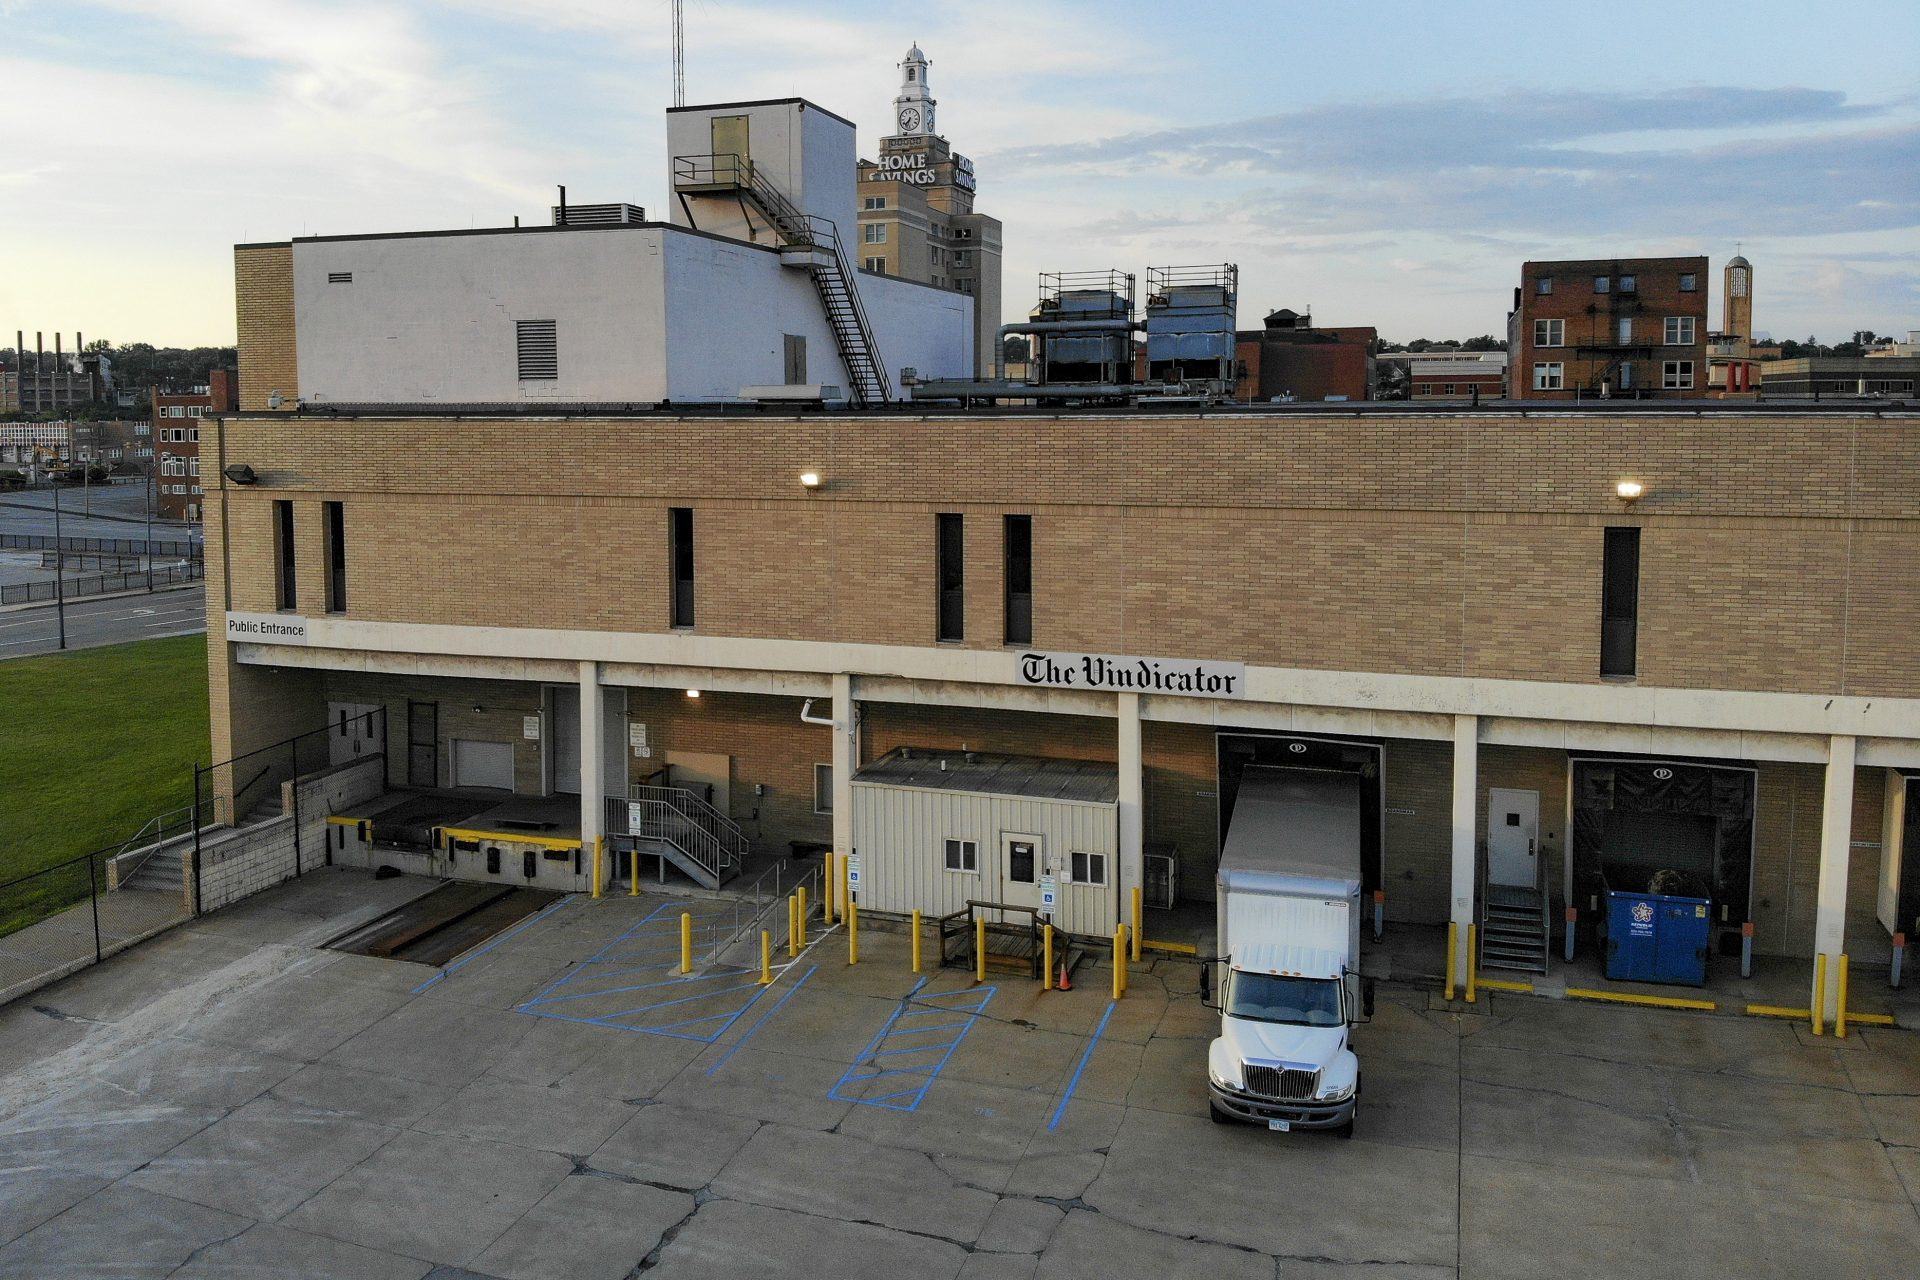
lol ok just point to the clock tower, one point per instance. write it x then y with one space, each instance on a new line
1737 299
913 106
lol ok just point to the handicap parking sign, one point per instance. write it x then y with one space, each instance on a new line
853 870
1049 894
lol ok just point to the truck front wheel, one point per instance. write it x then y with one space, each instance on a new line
1219 1116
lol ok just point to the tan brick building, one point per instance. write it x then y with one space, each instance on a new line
1461 607
1609 328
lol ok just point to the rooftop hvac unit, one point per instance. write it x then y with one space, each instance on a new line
1162 886
599 215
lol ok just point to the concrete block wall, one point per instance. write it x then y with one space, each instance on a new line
328 792
1786 862
247 861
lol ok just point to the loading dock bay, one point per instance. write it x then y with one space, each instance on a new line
232 1099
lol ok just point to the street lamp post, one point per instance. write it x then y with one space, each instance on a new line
59 567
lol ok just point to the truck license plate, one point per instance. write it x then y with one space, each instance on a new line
1282 1125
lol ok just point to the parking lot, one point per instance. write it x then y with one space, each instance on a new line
231 1099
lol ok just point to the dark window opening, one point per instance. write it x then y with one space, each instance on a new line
423 744
283 554
1019 579
1020 862
952 574
336 557
680 557
1620 602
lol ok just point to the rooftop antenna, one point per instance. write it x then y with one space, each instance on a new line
679 58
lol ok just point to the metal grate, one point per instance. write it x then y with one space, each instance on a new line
1290 1083
339 277
539 349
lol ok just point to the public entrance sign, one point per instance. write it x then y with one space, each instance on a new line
267 628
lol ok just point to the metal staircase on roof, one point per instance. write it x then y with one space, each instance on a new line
805 241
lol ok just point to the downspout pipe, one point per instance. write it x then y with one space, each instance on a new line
806 716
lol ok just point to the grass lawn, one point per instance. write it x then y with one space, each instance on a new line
95 742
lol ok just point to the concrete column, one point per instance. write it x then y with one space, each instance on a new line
1466 805
1836 837
846 757
593 763
1132 814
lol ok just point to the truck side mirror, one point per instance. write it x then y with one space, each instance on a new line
1206 984
1366 997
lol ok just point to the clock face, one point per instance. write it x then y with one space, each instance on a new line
909 120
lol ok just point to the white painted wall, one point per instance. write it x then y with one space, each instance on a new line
431 318
917 326
808 155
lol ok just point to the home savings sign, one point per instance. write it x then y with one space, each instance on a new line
1182 676
906 168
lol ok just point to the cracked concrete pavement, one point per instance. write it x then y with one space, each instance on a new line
233 1100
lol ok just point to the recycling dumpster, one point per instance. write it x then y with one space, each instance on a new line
1654 937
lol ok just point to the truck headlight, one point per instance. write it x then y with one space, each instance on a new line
1334 1093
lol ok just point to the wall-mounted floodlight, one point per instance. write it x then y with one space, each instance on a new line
693 693
809 479
1629 490
241 473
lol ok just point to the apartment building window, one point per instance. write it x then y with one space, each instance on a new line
1623 328
1548 377
1679 331
1619 602
962 855
1543 285
1677 375
1549 333
876 265
1601 284
1629 284
1626 376
874 202
823 788
962 257
680 563
336 521
538 349
874 233
1687 282
1019 579
950 568
193 466
282 552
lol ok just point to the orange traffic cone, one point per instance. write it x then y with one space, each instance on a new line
1064 984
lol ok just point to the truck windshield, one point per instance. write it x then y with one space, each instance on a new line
1266 997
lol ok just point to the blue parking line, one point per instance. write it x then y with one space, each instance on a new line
971 1003
530 921
1085 1058
762 1020
595 958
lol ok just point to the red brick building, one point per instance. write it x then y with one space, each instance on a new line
1609 328
178 487
1290 357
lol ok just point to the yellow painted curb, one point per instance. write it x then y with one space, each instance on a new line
1177 948
1501 984
1871 1019
1626 997
1777 1011
508 837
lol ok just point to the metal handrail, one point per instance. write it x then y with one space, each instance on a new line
685 821
158 825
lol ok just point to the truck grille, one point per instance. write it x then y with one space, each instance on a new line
1291 1083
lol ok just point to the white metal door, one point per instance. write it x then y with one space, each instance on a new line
354 730
482 764
1513 837
1022 863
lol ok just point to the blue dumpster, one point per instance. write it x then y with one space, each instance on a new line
1655 938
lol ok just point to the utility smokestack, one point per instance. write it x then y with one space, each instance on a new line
563 206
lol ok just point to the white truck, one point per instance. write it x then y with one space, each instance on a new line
1289 989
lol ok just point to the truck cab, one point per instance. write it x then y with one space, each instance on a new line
1285 978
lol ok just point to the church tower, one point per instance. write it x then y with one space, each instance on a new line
1736 299
913 105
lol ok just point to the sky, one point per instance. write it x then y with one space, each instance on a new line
1388 164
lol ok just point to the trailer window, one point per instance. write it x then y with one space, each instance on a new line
1089 868
963 855
1267 997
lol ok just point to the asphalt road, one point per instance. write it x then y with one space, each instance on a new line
98 622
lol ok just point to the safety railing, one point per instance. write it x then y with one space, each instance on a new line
101 546
961 933
677 816
145 842
103 583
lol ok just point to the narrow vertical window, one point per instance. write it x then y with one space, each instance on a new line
952 572
1620 602
336 557
1019 578
283 554
680 557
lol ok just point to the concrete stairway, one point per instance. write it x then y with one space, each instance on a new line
1513 929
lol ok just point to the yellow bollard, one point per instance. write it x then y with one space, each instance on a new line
1046 965
1453 954
846 887
1119 961
766 958
853 934
826 889
1136 924
916 942
980 949
801 893
1473 960
633 867
686 942
1840 1009
1819 1009
596 867
793 926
